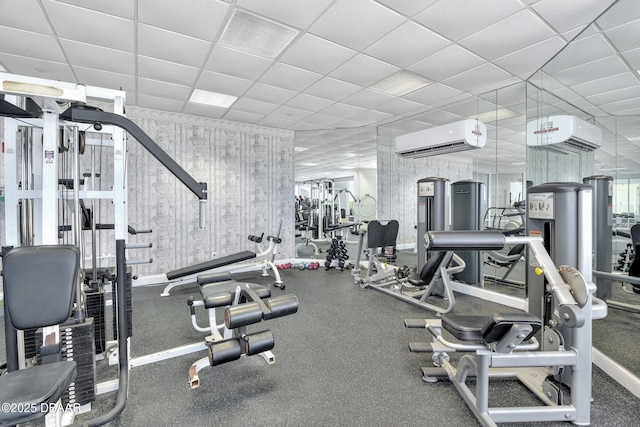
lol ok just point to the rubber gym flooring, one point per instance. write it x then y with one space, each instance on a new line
342 360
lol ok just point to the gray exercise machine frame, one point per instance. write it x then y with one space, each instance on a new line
574 306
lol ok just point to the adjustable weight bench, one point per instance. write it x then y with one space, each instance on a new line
244 304
181 275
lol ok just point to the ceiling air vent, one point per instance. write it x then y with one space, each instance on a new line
256 35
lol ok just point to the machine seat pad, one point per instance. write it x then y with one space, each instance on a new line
465 328
487 329
498 324
204 279
223 293
39 384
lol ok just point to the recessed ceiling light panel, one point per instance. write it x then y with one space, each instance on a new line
256 35
213 99
401 83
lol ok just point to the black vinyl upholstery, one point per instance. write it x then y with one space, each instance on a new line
221 294
39 286
379 235
210 265
432 265
488 329
39 283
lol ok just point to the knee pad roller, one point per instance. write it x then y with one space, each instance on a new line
240 315
283 305
224 351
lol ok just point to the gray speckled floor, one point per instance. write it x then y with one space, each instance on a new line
342 360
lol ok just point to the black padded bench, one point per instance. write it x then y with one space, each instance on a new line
210 265
488 329
219 289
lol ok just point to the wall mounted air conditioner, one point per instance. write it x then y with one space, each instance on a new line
449 138
563 132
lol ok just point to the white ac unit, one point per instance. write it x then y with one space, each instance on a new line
563 133
449 138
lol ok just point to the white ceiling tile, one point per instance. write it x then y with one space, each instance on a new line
367 98
432 93
495 85
288 113
607 84
221 83
33 45
204 110
569 14
308 102
580 51
162 89
24 15
121 8
321 120
445 63
316 54
106 79
363 70
296 13
407 7
342 111
399 107
276 122
171 72
37 68
633 58
350 123
301 126
289 77
159 103
89 26
170 46
330 88
457 20
625 94
252 106
371 116
235 63
625 37
526 61
242 117
618 14
101 58
627 107
371 20
196 18
605 67
511 34
477 78
267 93
407 44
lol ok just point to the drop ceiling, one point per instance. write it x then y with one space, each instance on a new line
319 71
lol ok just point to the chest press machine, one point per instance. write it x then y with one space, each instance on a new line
506 345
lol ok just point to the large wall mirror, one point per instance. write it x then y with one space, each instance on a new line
595 79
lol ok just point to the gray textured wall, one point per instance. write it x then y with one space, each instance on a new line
250 173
